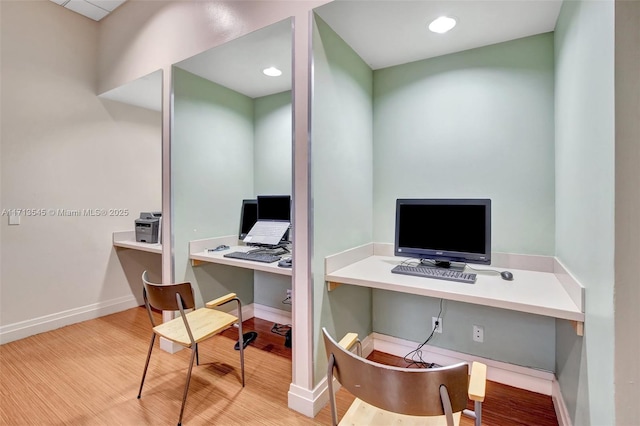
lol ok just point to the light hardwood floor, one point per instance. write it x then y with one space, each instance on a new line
89 374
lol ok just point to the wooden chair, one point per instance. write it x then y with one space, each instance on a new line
190 328
387 395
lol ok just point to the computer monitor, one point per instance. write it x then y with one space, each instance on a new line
274 207
277 208
248 217
444 230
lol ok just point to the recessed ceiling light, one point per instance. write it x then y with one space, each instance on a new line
272 72
442 24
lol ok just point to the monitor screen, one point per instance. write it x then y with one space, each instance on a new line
274 207
444 230
248 217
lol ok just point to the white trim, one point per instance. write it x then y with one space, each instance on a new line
562 412
270 314
531 379
308 402
571 285
339 260
22 329
248 311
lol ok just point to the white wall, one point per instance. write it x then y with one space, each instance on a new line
64 148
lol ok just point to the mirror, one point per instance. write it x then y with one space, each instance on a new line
136 110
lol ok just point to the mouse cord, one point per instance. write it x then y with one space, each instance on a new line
483 270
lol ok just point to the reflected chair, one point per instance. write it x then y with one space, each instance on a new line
190 328
387 395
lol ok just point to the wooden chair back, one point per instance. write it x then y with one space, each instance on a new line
163 296
410 391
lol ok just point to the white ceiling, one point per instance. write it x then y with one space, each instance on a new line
383 32
238 64
94 9
387 33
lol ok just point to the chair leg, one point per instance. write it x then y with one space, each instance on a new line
186 386
146 365
241 341
197 356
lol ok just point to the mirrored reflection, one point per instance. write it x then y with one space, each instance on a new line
144 92
135 109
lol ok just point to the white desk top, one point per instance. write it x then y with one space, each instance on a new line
198 253
534 292
127 239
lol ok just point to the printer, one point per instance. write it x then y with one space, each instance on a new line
148 227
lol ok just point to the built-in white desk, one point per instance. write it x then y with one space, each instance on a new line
127 239
198 253
549 291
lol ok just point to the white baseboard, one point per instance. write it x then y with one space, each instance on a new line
309 402
270 314
22 329
533 380
562 412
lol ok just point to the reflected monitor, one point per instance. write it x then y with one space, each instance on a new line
444 230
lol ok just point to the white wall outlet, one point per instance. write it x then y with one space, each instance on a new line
478 333
288 292
438 328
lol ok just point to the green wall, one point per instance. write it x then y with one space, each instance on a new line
225 147
341 181
212 142
585 186
475 124
272 175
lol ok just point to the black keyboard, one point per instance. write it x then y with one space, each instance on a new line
437 273
256 257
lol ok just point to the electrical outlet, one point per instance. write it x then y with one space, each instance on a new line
478 333
289 292
438 328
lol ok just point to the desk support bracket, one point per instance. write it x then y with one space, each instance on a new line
578 326
196 262
332 285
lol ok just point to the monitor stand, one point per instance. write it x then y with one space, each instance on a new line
444 264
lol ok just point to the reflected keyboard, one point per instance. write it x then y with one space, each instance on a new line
437 273
256 257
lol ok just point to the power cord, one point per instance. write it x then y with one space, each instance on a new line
280 329
414 358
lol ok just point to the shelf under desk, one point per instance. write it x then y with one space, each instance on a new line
127 239
534 292
198 254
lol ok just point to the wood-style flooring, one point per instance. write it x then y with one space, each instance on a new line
89 374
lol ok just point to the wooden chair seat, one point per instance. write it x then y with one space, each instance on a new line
204 323
360 413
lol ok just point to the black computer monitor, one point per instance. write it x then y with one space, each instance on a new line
444 230
274 207
248 217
